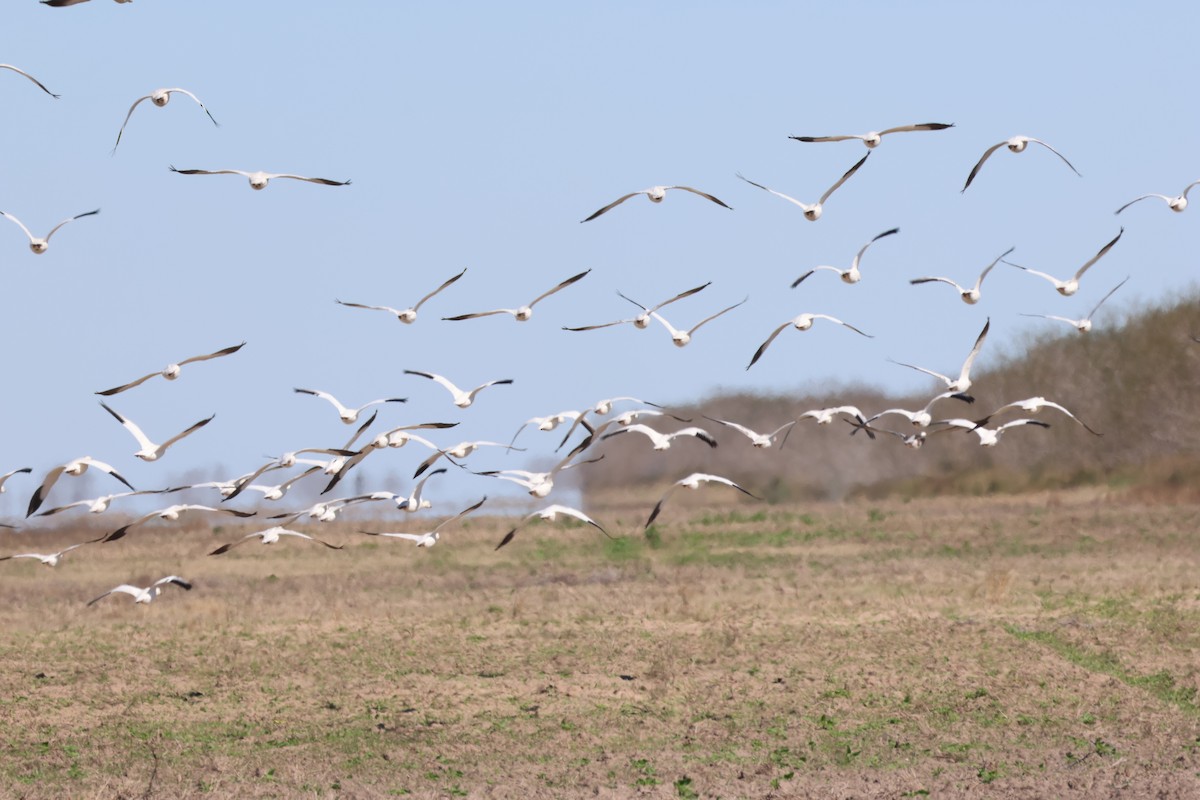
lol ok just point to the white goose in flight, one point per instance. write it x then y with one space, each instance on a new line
641 321
429 538
682 338
970 295
1176 204
549 514
662 441
1016 144
872 138
27 75
523 313
988 437
462 399
346 414
1071 285
824 416
759 440
920 418
1033 405
4 478
49 559
172 371
812 211
149 450
40 245
692 481
1082 325
171 514
656 195
271 536
959 385
851 275
406 315
258 180
145 595
74 468
160 97
459 452
800 323
538 484
98 505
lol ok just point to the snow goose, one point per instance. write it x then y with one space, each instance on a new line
549 514
258 180
656 195
693 482
406 315
172 371
812 211
1071 285
429 538
851 275
271 536
149 450
872 138
37 245
147 594
970 296
1016 144
524 312
800 323
160 97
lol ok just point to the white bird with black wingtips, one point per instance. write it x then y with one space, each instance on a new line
49 559
759 440
462 399
1016 144
271 535
693 481
549 514
1176 204
172 371
872 138
171 514
851 275
149 450
812 211
1082 325
641 321
73 468
40 245
160 97
524 312
662 441
145 595
346 414
429 538
656 195
406 315
681 338
1070 286
800 323
259 180
960 384
969 295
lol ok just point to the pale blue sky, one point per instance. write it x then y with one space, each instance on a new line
478 135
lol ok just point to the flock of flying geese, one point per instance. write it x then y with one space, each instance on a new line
584 427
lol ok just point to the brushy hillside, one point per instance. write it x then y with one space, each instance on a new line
1136 382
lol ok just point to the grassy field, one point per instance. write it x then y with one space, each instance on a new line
1038 646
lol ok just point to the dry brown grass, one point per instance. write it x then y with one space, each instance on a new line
1032 647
